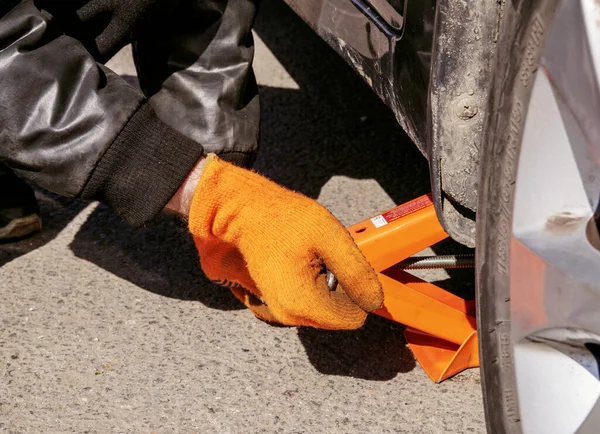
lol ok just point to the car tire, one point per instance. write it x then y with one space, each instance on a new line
524 26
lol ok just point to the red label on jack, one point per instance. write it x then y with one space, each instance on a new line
402 210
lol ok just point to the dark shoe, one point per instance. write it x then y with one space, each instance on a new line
19 210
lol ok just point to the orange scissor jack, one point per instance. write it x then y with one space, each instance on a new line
441 329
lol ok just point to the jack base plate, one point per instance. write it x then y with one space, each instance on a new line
441 359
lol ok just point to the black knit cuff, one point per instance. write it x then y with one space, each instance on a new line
143 168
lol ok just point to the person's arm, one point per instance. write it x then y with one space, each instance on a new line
75 128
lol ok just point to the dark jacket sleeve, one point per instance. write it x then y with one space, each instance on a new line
194 62
75 128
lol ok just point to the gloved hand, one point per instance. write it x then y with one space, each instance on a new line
270 246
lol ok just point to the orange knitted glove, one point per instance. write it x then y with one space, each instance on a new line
270 246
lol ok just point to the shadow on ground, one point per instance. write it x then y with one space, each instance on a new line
57 212
376 352
160 257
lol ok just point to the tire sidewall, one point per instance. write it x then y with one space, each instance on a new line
524 28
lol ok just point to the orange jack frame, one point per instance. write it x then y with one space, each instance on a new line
441 328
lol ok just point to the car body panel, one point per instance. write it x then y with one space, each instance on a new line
388 46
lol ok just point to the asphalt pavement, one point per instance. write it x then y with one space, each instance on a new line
109 329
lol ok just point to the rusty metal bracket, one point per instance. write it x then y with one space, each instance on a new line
441 328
